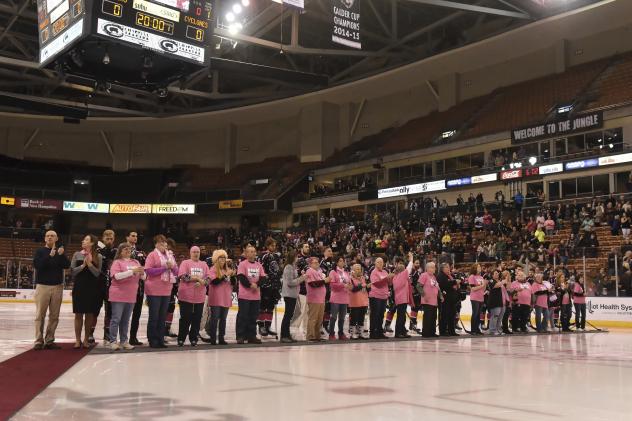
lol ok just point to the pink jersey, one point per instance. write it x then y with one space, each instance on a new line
339 279
379 284
431 289
219 295
190 292
579 289
316 291
123 290
158 280
475 281
541 300
524 292
401 285
253 271
359 298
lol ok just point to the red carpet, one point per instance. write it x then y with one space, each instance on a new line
24 376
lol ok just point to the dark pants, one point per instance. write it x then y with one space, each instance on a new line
520 317
138 308
506 319
290 303
338 312
247 319
357 316
476 317
157 315
447 318
170 309
580 316
566 316
190 317
400 323
106 320
218 320
377 307
429 328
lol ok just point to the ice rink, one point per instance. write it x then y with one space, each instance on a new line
544 377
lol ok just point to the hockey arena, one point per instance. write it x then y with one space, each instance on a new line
315 209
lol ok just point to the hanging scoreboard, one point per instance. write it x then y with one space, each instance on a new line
60 24
181 29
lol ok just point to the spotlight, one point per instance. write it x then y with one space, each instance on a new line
245 3
533 160
611 146
237 8
230 17
234 28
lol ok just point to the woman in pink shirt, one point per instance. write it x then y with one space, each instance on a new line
430 301
522 306
403 294
339 299
125 273
477 297
193 276
358 302
579 300
380 279
316 291
541 296
161 270
220 296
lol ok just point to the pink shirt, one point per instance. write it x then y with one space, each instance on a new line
339 279
577 288
524 292
541 300
316 290
253 271
565 298
219 295
359 298
431 289
156 285
476 280
190 292
123 290
379 284
401 285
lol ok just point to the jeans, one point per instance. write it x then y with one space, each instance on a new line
190 317
138 309
540 314
476 317
247 319
218 319
290 304
119 321
495 317
315 313
377 306
580 316
158 305
338 312
429 328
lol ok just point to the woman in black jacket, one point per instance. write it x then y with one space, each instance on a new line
495 303
447 312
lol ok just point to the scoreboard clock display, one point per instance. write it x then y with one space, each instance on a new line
60 24
177 28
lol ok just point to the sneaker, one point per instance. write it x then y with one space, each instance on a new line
342 337
127 347
180 343
91 339
114 346
194 343
286 340
52 345
166 339
332 337
38 347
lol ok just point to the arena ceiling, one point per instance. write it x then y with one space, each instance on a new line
279 53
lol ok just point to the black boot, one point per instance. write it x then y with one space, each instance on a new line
222 341
267 324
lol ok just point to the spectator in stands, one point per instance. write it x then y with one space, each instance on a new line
85 269
50 262
518 201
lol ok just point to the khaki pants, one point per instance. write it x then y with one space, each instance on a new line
47 297
299 319
315 313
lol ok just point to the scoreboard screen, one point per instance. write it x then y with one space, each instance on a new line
181 29
60 24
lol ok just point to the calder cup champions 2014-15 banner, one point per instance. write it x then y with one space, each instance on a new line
346 23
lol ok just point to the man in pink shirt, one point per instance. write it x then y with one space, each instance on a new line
249 274
522 307
380 279
540 292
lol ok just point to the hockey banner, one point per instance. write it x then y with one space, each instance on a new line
346 23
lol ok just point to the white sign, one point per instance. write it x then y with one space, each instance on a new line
152 41
52 4
61 42
57 13
154 9
551 169
173 209
411 189
484 178
609 308
86 207
615 159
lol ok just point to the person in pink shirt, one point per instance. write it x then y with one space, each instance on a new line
193 276
540 293
358 302
249 274
430 301
380 279
340 285
125 273
522 305
316 291
220 296
403 294
579 301
161 270
478 285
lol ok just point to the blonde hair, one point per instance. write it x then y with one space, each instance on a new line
215 259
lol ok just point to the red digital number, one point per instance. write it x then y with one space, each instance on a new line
198 11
